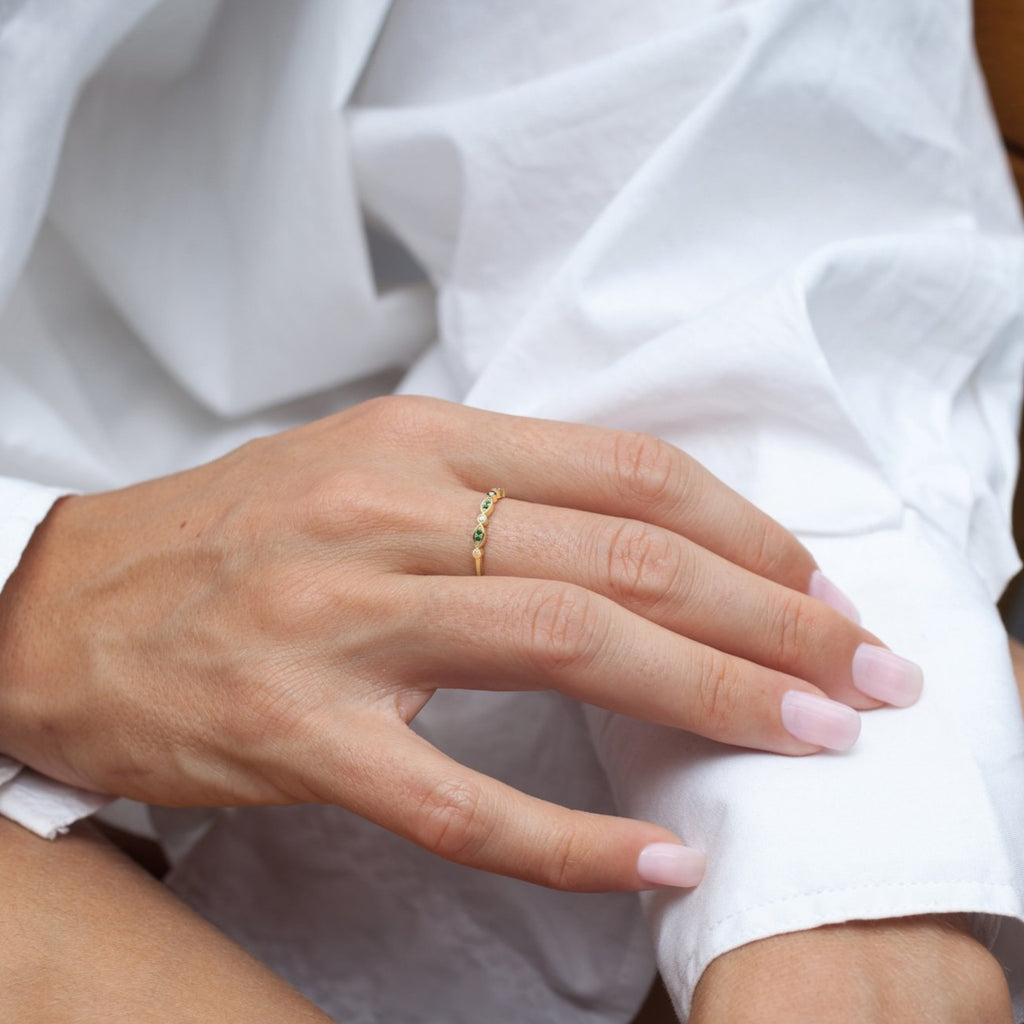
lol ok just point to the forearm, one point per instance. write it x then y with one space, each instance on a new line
902 972
86 937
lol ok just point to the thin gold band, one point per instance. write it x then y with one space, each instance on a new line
493 496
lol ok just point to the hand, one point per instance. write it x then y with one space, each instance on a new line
262 629
901 971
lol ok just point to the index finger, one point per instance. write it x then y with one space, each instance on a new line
399 780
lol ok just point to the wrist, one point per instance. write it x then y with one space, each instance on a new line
912 968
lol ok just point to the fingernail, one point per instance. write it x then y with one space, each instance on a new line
820 721
822 589
885 676
671 864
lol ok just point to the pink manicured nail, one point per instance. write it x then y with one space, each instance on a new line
671 864
820 721
886 676
823 589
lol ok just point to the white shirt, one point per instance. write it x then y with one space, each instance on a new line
778 234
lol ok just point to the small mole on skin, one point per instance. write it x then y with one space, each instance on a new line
184 523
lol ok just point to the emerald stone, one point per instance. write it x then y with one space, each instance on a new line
485 504
479 534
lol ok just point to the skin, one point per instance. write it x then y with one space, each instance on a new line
911 971
228 635
263 628
86 937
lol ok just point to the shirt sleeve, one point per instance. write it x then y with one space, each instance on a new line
781 236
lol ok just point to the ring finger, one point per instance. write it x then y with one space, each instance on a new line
685 588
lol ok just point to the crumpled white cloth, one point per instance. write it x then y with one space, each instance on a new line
46 807
779 234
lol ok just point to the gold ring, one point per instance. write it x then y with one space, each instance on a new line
493 496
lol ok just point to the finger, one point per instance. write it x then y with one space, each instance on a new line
697 593
633 476
498 632
683 587
409 787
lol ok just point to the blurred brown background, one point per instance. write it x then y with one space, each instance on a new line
999 32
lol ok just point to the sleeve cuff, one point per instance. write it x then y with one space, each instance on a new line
922 816
43 806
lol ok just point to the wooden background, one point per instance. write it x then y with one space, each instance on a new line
999 32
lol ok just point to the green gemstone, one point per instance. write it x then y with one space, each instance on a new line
486 504
479 534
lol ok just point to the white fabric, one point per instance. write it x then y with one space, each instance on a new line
8 769
778 234
46 807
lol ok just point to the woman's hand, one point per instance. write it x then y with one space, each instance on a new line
262 629
901 971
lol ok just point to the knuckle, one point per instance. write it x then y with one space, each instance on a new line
384 410
561 627
648 566
647 469
398 418
717 696
564 867
770 549
451 822
355 506
331 503
792 630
